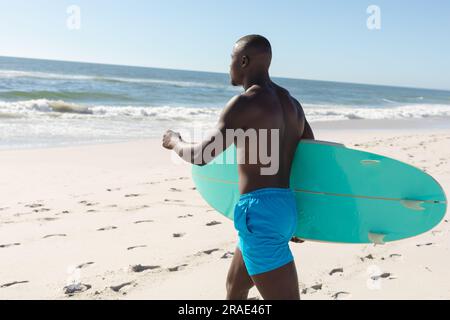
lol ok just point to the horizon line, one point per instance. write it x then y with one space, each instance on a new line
224 73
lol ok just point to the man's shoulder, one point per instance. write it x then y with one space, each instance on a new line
235 107
282 90
256 96
237 102
244 100
256 91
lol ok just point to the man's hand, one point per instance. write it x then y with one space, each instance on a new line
297 240
171 139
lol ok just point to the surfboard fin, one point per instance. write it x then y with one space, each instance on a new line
377 238
370 162
413 205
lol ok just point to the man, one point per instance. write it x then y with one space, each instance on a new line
265 216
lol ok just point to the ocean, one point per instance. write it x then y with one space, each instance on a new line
53 103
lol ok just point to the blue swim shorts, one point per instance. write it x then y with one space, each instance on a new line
266 220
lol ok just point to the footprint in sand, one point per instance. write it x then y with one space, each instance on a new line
76 288
48 219
54 235
143 221
41 210
63 212
21 214
179 235
140 268
91 211
175 190
137 208
91 204
5 208
385 275
84 265
107 228
120 286
111 190
186 216
132 195
337 270
424 244
368 257
312 289
10 284
173 200
395 257
208 252
177 268
227 255
34 205
2 246
341 295
136 247
88 204
213 223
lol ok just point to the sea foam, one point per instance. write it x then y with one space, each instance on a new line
45 108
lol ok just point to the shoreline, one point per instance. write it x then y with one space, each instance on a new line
343 126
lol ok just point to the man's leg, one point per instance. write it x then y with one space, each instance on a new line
239 281
279 284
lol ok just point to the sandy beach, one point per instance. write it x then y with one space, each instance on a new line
124 222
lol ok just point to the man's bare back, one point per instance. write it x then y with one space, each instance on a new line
270 107
267 125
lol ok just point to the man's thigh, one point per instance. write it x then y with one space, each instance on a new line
279 284
238 280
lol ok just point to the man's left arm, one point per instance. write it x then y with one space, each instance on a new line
308 132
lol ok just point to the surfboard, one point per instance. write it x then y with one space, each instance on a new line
343 195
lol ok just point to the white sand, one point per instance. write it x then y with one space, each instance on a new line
54 201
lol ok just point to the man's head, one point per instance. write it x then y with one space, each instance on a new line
252 54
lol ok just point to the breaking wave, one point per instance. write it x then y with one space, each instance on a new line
45 107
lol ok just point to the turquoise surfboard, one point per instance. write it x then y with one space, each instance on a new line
343 195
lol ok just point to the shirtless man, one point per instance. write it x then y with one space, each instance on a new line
265 216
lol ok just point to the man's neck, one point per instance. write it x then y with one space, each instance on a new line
261 79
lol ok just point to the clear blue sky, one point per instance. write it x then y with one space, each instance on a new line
314 39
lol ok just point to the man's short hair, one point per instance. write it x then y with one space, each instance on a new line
256 42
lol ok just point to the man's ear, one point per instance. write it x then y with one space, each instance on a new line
245 61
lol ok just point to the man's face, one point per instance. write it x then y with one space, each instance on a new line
236 67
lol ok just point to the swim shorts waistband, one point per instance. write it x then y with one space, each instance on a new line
267 191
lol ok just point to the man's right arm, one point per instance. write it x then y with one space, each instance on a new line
216 141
